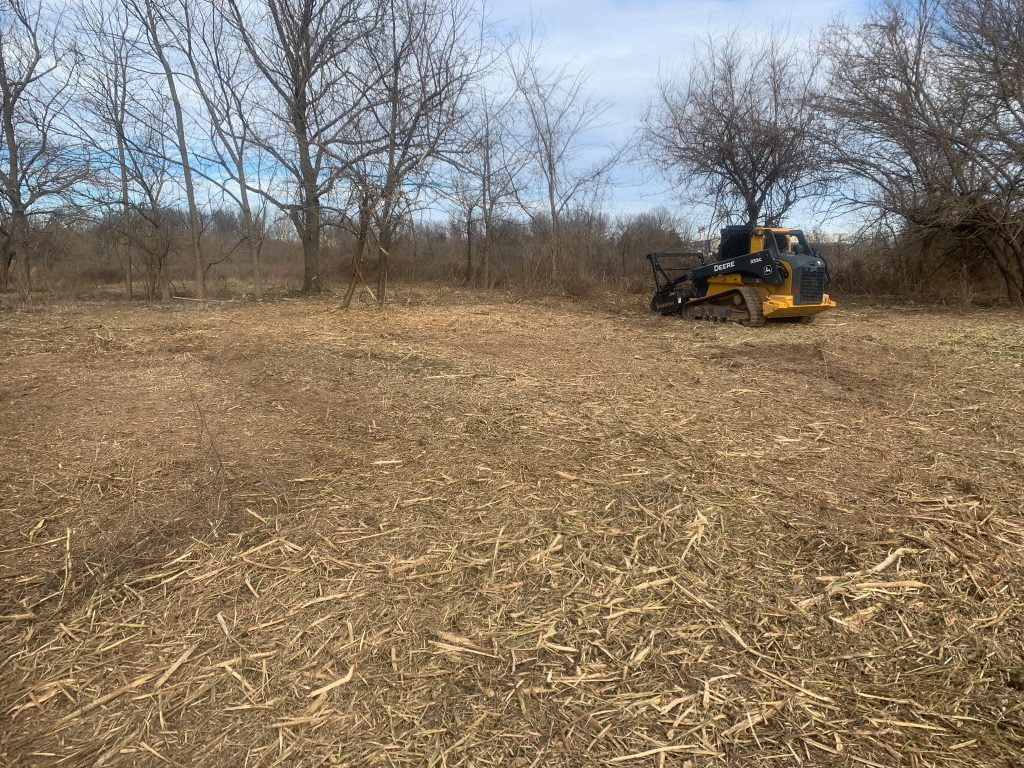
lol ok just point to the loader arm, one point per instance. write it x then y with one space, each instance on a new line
762 265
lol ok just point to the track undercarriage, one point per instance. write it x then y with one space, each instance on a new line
742 305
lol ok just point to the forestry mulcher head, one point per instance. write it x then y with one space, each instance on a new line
758 274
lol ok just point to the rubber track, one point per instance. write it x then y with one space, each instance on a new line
752 302
755 306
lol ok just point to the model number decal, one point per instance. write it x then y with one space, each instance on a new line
727 265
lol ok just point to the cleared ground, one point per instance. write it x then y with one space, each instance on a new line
471 533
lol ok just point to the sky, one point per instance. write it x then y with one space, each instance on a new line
625 44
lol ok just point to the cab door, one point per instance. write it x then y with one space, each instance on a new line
757 241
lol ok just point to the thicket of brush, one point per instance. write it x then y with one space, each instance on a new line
593 254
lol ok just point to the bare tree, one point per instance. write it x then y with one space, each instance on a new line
419 65
984 45
106 82
224 79
154 225
490 172
921 131
561 116
741 130
125 111
157 18
306 103
40 161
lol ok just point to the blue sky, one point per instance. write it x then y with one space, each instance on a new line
624 44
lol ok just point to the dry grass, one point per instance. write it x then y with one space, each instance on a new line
464 533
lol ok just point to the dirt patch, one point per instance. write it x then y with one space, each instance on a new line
469 533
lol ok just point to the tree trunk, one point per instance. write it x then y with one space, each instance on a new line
251 236
5 264
19 248
126 217
995 247
308 221
186 165
487 219
23 275
151 277
555 228
485 260
311 251
190 194
384 239
753 211
307 225
383 257
129 287
165 284
257 277
1013 245
469 246
357 254
18 237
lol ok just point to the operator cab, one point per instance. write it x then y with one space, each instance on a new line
739 240
789 248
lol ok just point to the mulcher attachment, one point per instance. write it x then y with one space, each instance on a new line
672 280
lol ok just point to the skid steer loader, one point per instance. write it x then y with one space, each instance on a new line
758 274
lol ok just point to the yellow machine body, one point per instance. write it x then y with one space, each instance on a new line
778 300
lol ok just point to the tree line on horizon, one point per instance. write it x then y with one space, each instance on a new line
166 133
